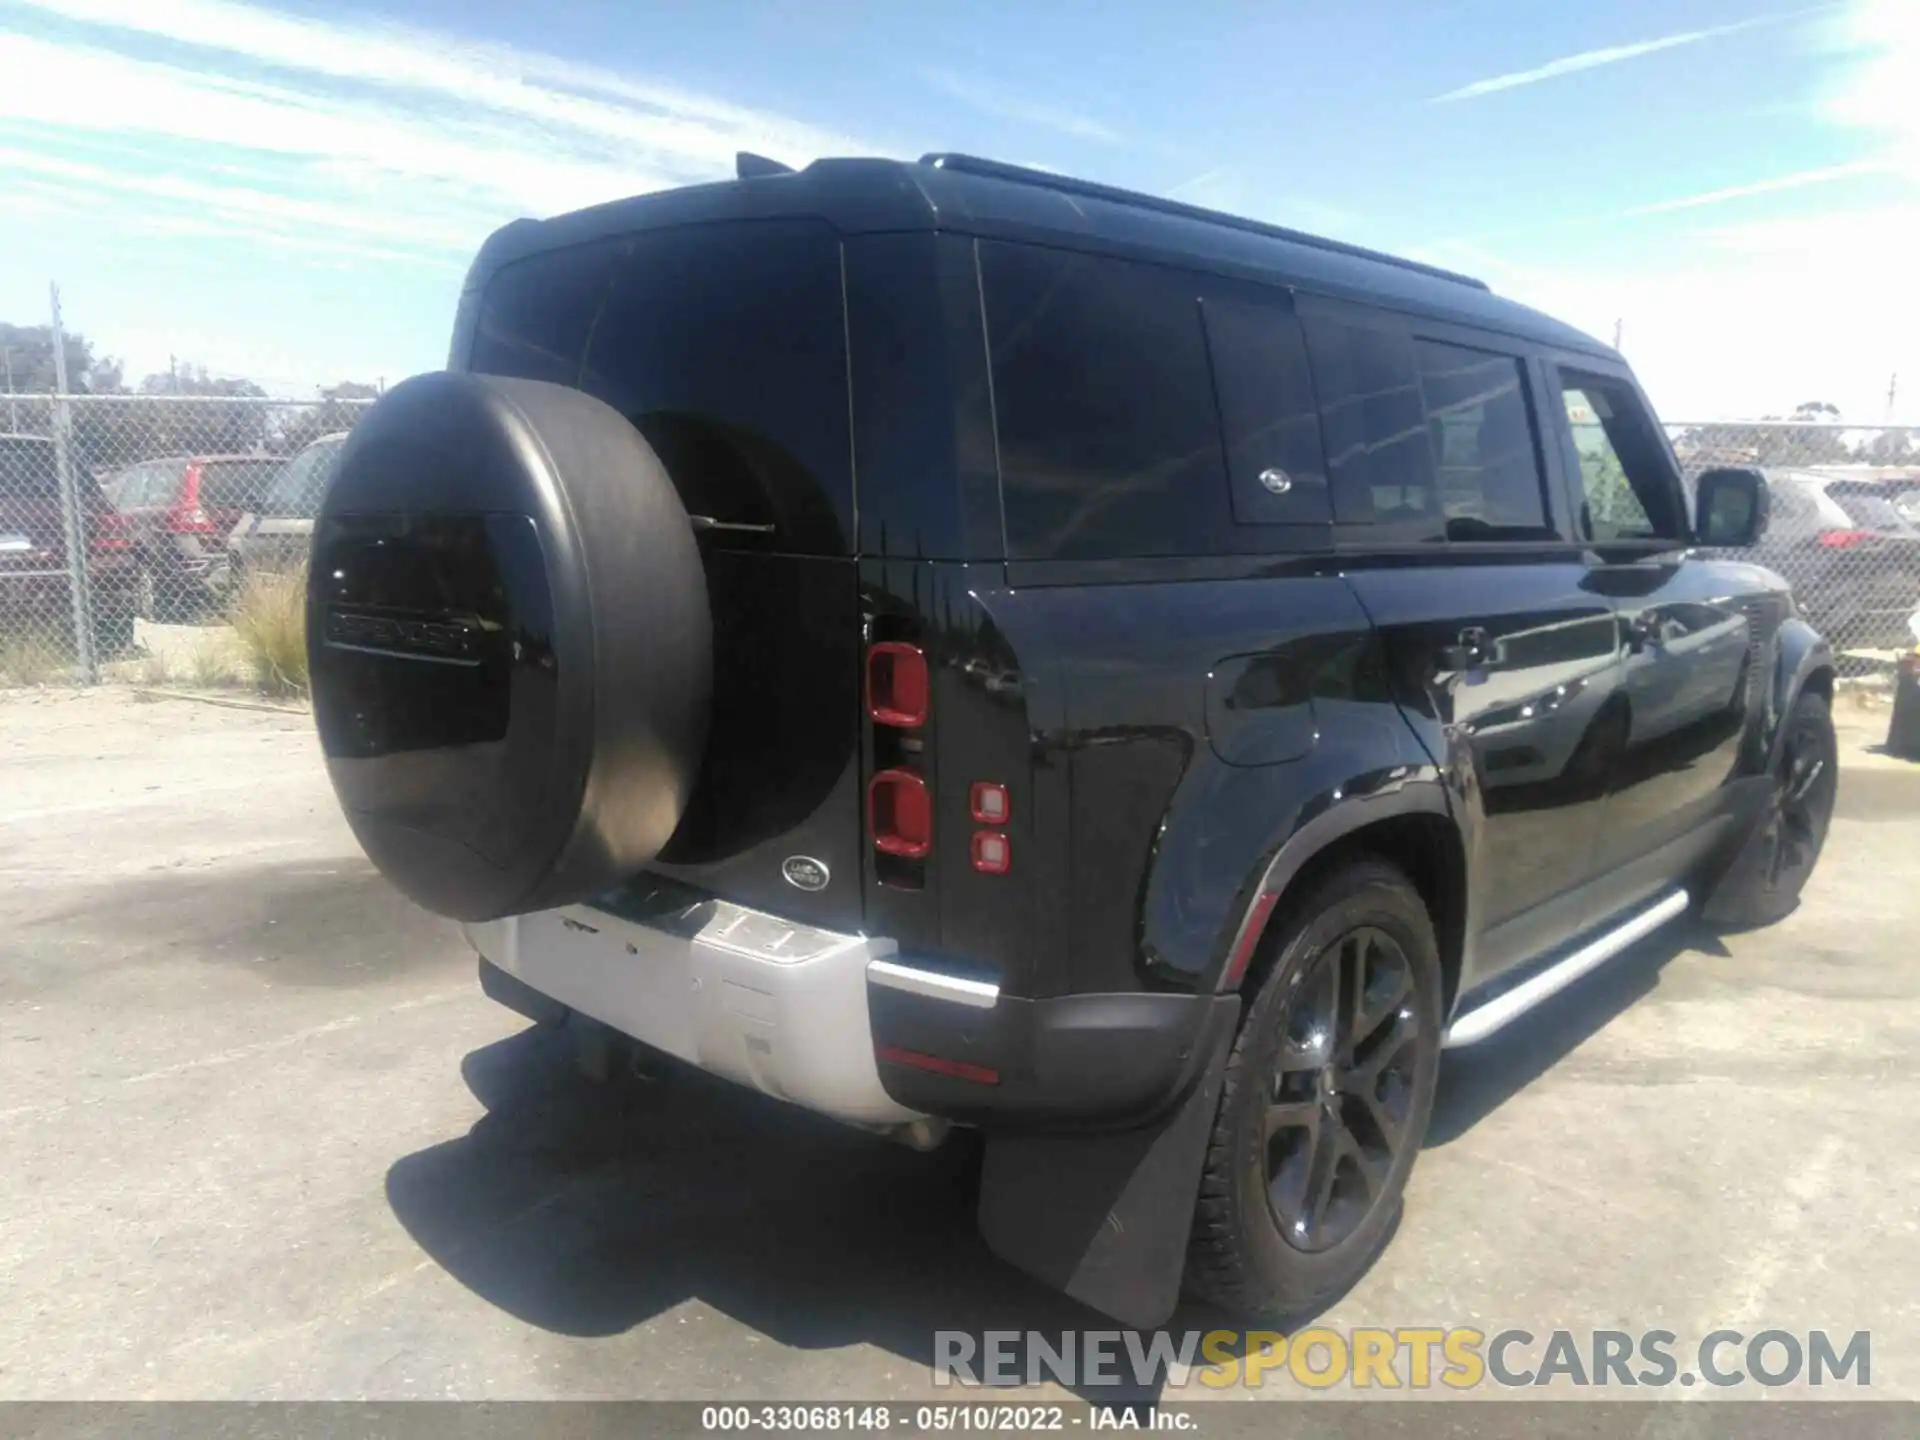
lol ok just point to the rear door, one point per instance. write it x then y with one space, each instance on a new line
1503 656
725 345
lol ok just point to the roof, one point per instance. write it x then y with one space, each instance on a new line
984 198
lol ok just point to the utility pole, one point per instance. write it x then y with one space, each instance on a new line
71 521
1893 389
173 377
1618 325
13 410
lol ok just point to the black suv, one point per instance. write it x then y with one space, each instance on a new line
949 645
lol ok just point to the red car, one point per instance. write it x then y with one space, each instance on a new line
180 511
33 552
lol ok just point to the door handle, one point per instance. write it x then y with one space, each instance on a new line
1471 649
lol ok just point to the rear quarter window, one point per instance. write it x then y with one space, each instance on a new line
1110 443
236 484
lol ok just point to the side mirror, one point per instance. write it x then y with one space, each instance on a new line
1730 507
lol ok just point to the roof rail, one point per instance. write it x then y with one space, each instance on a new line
1065 185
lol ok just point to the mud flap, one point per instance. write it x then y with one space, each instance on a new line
1105 1216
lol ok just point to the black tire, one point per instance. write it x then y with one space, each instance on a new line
1244 1255
1763 884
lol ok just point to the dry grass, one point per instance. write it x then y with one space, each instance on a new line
270 617
31 656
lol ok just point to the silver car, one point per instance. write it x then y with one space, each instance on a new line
277 536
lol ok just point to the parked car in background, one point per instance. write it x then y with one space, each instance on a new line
275 536
1852 557
178 510
33 548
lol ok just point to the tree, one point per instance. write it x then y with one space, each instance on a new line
178 426
1890 447
29 355
340 406
1805 441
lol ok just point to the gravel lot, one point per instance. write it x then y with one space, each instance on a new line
265 1139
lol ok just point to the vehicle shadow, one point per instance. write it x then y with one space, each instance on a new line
1478 1079
588 1209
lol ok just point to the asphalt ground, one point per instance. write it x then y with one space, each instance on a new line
261 1137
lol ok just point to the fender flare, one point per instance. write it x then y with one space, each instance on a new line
1424 793
1800 652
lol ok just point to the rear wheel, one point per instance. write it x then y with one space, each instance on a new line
1326 1099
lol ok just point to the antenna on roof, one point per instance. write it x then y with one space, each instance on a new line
749 166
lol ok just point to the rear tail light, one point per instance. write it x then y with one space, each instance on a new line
900 814
1844 539
186 517
897 686
989 803
938 1065
110 531
992 852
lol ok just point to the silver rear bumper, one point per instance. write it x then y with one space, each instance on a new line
777 1006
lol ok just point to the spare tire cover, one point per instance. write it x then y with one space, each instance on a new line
510 644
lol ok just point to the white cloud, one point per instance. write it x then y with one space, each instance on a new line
328 142
448 141
1799 180
990 99
1592 59
1769 307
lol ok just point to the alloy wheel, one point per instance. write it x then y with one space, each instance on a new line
1342 1088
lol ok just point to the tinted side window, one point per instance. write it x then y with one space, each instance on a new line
1109 438
534 320
726 346
1268 413
1485 460
238 484
1630 489
1379 458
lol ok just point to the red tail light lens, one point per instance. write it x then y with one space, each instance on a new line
938 1065
186 517
900 814
992 852
1844 539
110 531
897 685
989 803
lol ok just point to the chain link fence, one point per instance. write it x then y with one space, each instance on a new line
158 537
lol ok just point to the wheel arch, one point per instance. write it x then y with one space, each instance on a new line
1803 662
1419 834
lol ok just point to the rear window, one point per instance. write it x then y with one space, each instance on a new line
1110 442
27 470
1869 506
236 484
1380 457
296 492
725 345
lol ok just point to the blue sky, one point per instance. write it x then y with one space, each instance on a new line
291 192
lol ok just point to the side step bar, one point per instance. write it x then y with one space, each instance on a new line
1483 1020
